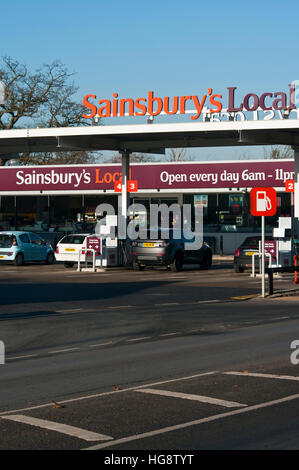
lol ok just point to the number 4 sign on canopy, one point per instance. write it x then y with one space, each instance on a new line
132 186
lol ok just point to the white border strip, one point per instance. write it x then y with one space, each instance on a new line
103 394
189 396
58 427
196 422
264 376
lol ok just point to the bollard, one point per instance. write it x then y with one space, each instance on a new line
270 277
2 353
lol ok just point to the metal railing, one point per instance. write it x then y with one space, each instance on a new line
86 251
253 264
271 271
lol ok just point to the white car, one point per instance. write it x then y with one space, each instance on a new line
67 249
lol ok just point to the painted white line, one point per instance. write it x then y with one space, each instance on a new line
207 301
103 394
62 350
194 423
280 318
138 339
68 310
100 344
167 304
120 306
189 396
20 357
264 376
58 427
170 334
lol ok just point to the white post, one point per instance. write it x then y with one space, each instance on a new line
263 256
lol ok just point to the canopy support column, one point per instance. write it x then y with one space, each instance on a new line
125 196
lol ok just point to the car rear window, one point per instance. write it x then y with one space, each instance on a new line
256 240
6 240
73 240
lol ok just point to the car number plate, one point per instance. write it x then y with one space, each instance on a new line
250 253
148 245
70 249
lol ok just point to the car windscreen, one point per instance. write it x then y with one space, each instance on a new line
73 240
6 240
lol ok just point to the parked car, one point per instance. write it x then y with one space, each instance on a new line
19 247
67 249
169 252
243 254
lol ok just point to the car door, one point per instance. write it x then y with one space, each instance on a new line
39 249
26 246
191 255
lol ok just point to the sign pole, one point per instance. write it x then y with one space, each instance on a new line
262 203
263 256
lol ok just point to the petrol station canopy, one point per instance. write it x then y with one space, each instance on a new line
151 138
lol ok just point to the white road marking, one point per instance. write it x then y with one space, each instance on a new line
168 304
68 310
62 350
103 394
265 376
100 344
194 423
120 306
21 357
170 334
189 396
138 339
58 427
207 301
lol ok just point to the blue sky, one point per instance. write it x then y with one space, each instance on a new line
171 47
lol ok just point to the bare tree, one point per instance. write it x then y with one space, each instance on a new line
43 98
178 155
279 151
134 158
59 158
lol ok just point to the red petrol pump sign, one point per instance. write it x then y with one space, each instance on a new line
263 201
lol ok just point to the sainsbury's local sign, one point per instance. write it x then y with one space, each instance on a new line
272 104
178 177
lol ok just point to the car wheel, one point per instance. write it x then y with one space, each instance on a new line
206 263
177 264
239 269
68 264
137 266
50 258
19 260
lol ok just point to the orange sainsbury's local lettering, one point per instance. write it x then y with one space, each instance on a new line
152 105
